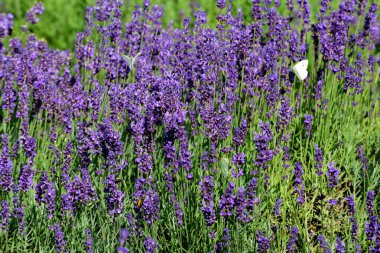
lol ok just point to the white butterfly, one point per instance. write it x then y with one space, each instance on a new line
300 69
131 60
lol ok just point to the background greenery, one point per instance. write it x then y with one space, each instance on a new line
62 19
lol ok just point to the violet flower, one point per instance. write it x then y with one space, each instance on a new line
292 240
6 179
5 215
45 193
114 197
263 242
150 245
339 247
276 208
146 200
308 122
264 154
227 201
26 177
6 25
362 157
333 174
298 184
318 158
34 12
323 244
88 244
207 185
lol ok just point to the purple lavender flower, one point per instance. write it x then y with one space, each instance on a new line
318 158
114 197
240 133
323 244
226 237
123 236
361 6
9 97
252 199
145 163
6 179
45 193
207 185
227 201
362 157
286 156
5 214
221 4
354 228
122 250
351 205
298 183
264 154
59 239
34 12
6 25
277 206
285 113
26 177
339 247
318 89
89 241
308 122
146 200
241 204
150 245
78 194
370 204
238 159
357 248
263 242
370 19
29 147
371 228
292 240
19 213
257 10
333 174
178 213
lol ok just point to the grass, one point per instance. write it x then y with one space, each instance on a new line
62 19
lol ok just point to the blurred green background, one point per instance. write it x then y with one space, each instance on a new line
62 19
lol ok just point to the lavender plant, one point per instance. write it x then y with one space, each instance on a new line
208 143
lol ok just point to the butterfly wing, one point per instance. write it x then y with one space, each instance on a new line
129 61
134 60
300 69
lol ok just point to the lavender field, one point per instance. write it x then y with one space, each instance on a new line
149 137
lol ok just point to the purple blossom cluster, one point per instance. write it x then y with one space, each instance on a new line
298 183
34 12
6 25
264 154
318 158
332 174
6 178
46 193
114 197
5 214
308 123
207 185
146 200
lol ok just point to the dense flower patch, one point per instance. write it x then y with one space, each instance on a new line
160 139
